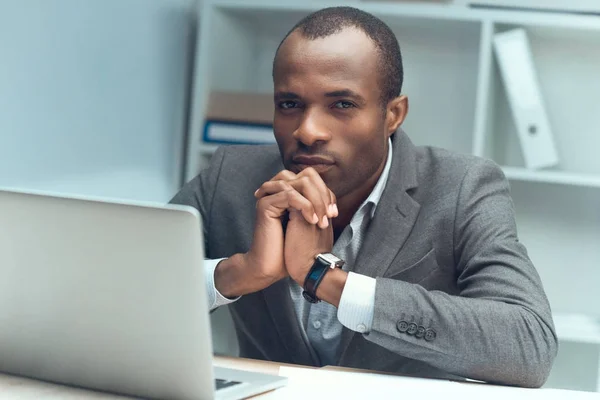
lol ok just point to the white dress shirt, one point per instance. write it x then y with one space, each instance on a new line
322 324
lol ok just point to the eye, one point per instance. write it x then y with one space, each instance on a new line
343 104
288 104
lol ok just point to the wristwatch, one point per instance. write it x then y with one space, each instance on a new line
323 263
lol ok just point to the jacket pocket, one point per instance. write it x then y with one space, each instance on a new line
416 272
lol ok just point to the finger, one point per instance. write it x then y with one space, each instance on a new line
309 186
319 199
328 196
333 204
272 187
289 176
283 175
277 204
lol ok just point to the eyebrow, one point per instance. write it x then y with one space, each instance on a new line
345 93
335 93
286 95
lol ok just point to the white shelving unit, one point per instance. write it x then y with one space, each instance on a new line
558 177
458 102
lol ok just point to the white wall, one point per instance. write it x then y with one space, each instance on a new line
93 95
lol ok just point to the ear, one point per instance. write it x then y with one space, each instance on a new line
396 112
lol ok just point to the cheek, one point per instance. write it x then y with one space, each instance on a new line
364 148
282 130
363 138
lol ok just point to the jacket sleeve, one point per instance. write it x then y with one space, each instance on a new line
499 328
200 191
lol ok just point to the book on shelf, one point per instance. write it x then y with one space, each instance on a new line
239 118
233 132
517 69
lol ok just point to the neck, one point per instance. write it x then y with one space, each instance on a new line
348 204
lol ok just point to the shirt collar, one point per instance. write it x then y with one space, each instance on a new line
377 191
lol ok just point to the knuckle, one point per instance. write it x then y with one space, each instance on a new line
310 171
287 174
279 175
287 188
306 171
305 180
292 195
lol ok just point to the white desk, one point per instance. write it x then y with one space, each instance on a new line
337 382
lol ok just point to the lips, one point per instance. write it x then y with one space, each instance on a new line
318 163
312 160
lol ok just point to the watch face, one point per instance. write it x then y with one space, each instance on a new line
332 259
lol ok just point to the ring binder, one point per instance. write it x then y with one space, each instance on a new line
521 83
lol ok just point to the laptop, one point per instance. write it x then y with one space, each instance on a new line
110 296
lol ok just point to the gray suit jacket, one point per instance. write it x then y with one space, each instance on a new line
443 247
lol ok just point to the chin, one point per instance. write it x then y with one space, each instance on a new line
335 187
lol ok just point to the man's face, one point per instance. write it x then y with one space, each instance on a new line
328 111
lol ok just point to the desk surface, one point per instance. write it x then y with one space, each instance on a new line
12 387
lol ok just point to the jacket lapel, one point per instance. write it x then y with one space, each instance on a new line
393 221
283 314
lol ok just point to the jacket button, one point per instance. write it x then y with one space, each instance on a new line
430 335
402 326
412 328
420 332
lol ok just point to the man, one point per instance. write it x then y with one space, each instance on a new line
435 282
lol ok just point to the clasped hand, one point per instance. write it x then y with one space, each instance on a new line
309 205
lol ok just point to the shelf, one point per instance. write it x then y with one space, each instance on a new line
438 12
403 10
577 328
556 54
555 177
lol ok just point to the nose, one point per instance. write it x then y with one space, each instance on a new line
311 129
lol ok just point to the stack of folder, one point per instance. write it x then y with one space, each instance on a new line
239 118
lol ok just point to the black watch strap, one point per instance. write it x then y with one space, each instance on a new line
322 264
313 279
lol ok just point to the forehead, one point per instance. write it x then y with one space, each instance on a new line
346 58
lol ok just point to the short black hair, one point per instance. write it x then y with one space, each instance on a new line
332 20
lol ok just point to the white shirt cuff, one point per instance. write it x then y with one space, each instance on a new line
357 304
215 299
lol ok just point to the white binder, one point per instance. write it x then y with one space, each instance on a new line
514 57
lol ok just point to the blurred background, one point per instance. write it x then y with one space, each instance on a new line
93 95
127 99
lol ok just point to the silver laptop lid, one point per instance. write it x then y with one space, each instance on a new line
104 295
